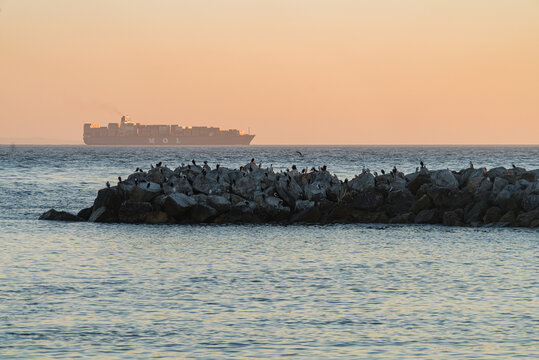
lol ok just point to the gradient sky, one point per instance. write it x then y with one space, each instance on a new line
293 71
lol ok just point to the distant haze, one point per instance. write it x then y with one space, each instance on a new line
293 71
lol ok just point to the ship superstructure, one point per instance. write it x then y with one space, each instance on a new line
130 133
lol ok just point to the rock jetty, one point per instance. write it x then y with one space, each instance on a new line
193 194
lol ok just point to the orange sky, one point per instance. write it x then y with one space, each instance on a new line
294 71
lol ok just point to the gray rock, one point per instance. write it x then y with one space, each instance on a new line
429 216
134 212
424 203
492 215
202 213
498 185
177 205
530 202
453 218
362 182
368 200
444 179
527 218
59 216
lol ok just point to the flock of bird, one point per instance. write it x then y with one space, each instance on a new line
206 168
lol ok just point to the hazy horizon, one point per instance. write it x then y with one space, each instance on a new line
293 72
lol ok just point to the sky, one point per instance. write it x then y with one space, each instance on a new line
290 71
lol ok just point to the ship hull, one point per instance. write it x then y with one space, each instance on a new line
169 140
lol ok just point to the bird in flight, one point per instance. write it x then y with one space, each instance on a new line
299 153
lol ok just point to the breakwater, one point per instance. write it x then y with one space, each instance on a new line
255 194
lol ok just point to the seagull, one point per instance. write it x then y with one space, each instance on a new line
299 153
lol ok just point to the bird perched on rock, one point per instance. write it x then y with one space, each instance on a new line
513 165
194 162
422 164
217 166
324 168
471 165
108 185
383 172
159 164
119 178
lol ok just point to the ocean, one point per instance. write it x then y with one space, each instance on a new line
119 291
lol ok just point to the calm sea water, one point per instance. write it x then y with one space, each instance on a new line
116 291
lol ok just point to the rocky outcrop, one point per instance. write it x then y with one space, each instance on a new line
251 194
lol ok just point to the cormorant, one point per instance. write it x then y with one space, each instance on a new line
108 185
383 172
119 178
422 164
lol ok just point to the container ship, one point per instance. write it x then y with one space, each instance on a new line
129 133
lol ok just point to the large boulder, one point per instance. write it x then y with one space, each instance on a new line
528 219
202 213
492 215
368 200
530 202
144 192
59 215
220 203
362 182
109 198
453 217
423 203
134 212
444 179
420 180
475 212
177 205
498 172
428 216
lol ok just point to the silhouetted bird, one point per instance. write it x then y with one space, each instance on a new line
119 178
513 165
471 165
108 185
217 166
299 153
324 168
194 162
383 172
159 164
422 164
205 162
